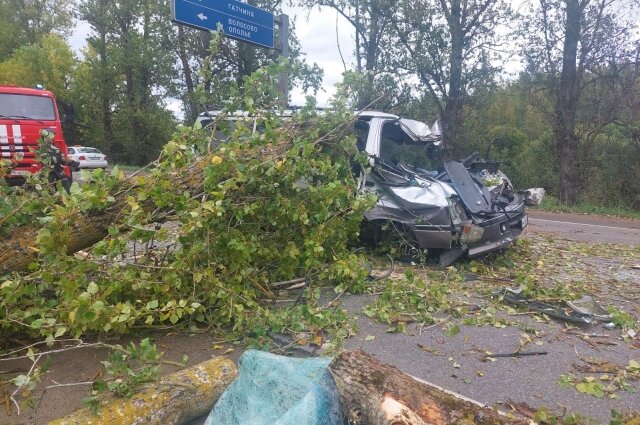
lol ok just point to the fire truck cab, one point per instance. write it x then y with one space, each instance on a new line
24 114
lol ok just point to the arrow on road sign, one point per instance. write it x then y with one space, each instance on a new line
202 16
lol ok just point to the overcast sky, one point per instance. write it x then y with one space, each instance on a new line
316 31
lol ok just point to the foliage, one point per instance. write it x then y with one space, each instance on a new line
26 22
127 369
50 62
551 203
607 384
578 51
273 206
410 298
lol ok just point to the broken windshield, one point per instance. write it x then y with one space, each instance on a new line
399 149
22 106
418 130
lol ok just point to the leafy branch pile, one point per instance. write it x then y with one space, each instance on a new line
215 230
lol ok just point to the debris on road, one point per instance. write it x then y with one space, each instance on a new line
515 297
588 306
533 197
377 393
519 354
277 389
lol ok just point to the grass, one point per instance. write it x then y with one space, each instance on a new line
551 203
125 167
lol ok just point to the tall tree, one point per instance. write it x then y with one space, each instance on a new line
49 61
451 46
573 44
130 67
371 27
25 22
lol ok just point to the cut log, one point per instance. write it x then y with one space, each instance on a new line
174 400
17 250
375 393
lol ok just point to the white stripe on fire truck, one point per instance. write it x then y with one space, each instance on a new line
4 138
17 134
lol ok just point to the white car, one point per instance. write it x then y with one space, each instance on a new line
88 157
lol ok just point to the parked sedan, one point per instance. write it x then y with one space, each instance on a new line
88 157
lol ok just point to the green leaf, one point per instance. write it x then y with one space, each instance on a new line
452 330
92 288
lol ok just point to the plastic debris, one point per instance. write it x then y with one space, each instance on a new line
587 305
515 297
533 196
279 390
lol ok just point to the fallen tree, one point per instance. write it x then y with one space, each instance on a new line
173 400
20 247
264 207
376 393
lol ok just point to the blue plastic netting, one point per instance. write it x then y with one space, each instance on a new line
278 390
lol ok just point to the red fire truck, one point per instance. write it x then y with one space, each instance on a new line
26 114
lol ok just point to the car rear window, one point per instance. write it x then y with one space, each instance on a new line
27 107
89 150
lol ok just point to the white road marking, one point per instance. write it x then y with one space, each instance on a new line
581 224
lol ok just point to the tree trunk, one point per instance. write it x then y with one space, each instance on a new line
18 249
566 105
452 119
374 393
191 106
174 400
105 95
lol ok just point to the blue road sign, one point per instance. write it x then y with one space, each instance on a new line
239 20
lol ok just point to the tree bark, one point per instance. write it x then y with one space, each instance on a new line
189 98
566 105
452 118
18 249
174 400
374 393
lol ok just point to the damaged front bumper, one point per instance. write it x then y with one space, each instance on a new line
486 234
452 214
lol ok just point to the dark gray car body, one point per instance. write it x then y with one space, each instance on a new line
469 207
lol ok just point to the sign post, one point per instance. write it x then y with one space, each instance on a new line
283 78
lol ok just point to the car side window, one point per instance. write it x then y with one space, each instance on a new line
71 151
362 132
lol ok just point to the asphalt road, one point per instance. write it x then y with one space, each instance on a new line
586 228
458 365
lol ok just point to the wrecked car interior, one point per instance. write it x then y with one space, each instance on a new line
466 207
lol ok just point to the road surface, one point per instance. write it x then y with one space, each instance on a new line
459 366
586 228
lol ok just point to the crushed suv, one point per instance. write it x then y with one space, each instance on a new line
468 207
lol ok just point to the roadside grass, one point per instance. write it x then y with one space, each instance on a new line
126 167
552 204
